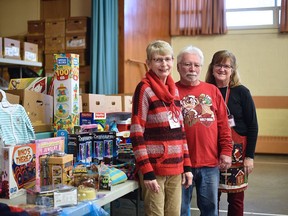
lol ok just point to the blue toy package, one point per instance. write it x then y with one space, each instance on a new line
81 146
104 146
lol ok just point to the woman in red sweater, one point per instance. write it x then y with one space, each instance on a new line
158 136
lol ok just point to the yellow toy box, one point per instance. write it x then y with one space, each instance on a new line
38 84
66 92
56 169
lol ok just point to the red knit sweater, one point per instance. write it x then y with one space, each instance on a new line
206 124
158 149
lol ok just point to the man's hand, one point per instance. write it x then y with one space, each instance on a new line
225 162
187 179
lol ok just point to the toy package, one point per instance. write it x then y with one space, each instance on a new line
52 196
104 147
45 147
56 169
66 92
80 145
19 170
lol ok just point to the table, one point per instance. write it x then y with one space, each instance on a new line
130 187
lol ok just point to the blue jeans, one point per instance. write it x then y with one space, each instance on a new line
206 180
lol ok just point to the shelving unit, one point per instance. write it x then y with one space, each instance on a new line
6 62
16 62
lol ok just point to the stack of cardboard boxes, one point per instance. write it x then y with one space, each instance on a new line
55 36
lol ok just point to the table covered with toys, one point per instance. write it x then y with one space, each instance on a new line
90 151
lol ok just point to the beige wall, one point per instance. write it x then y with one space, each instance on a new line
14 14
263 65
262 57
81 8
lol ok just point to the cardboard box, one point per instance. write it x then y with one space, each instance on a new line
30 52
127 103
12 99
101 103
1 48
66 92
37 39
45 147
39 108
55 44
85 72
76 41
11 48
19 170
49 60
36 27
84 58
37 84
77 24
55 27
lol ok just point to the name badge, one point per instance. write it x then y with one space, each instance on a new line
173 122
231 121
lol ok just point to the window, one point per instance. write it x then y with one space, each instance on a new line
248 14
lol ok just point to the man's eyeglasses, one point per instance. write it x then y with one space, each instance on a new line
219 66
161 60
189 65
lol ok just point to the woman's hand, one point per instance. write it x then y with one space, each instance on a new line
152 185
248 165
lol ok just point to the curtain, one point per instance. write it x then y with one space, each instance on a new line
104 49
284 16
197 17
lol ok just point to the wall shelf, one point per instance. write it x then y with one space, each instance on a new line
16 62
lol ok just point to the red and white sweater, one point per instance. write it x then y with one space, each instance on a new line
158 149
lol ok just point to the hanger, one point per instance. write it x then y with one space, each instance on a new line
4 102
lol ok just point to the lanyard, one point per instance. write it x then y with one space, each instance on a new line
226 99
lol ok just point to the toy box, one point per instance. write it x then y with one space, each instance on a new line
87 118
19 169
56 169
52 196
38 84
104 147
47 147
80 145
66 92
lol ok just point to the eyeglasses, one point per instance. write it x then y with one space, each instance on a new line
219 66
189 65
161 60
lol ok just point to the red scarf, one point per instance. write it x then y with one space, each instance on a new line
161 91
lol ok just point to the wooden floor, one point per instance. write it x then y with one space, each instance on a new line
267 193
